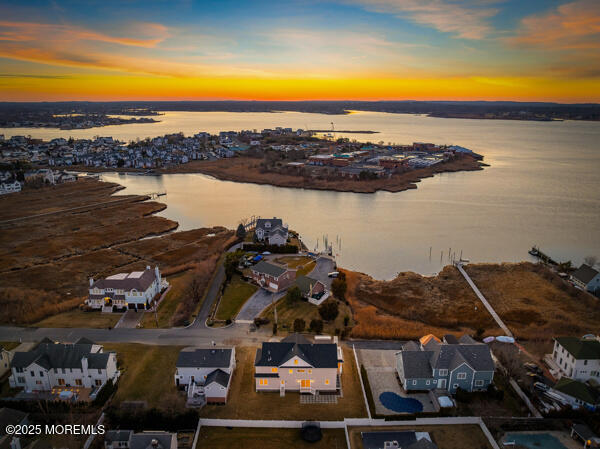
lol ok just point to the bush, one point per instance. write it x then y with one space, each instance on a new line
260 321
338 288
346 320
329 310
299 325
228 321
274 328
316 326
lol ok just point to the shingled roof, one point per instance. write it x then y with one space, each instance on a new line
219 376
58 355
321 355
579 348
204 358
138 280
585 274
578 390
269 268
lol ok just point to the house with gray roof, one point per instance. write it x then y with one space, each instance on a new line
447 366
205 374
135 290
587 278
51 365
273 277
578 394
296 364
271 231
397 440
577 358
128 439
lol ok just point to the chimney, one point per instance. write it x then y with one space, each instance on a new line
84 364
91 281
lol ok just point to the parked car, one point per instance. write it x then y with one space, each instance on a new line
541 386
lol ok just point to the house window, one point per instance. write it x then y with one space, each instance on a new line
99 371
38 382
585 362
32 373
479 383
291 371
21 380
60 381
263 382
273 370
326 381
283 382
98 382
461 376
41 374
78 382
296 362
443 372
300 371
428 382
414 382
309 371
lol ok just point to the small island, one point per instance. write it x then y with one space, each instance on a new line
281 157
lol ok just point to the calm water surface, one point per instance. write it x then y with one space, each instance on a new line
543 187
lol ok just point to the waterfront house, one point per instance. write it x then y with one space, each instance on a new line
128 439
312 290
272 277
271 230
134 290
448 366
577 358
578 394
83 364
587 278
296 364
205 373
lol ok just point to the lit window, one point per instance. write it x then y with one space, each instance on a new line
273 370
300 371
296 362
291 371
326 381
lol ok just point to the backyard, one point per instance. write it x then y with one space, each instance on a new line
244 402
147 374
235 295
303 264
266 438
446 437
179 284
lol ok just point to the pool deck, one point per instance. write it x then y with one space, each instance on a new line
381 370
564 438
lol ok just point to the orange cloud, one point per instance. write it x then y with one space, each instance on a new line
30 31
573 25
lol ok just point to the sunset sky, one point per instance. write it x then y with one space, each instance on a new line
523 50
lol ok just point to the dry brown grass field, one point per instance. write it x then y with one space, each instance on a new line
412 305
247 169
45 261
535 303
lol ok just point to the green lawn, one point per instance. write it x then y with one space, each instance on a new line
147 374
236 294
78 318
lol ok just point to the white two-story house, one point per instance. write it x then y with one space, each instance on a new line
205 373
134 290
82 364
271 230
295 364
578 358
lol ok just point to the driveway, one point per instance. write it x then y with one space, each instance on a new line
323 267
258 302
130 319
381 371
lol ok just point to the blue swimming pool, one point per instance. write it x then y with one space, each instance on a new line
535 441
397 403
